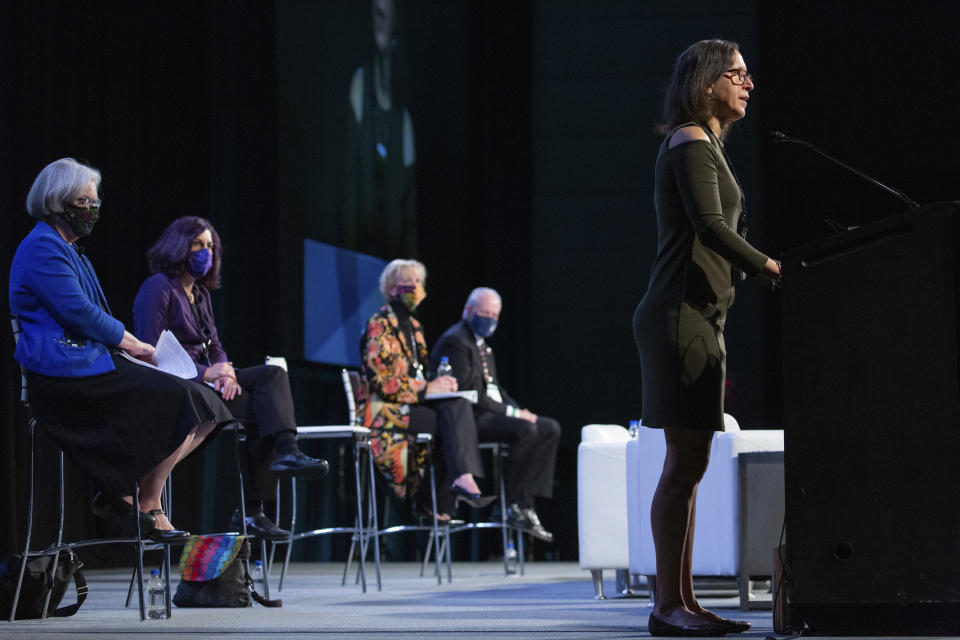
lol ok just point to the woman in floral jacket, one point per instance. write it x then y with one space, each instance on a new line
393 353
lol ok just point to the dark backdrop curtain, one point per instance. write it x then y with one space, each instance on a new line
174 104
535 153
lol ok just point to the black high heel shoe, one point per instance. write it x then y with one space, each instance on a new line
120 509
167 536
475 500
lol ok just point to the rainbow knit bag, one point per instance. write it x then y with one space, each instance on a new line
213 573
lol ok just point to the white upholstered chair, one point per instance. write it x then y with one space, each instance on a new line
602 501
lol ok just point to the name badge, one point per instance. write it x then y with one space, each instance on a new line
493 392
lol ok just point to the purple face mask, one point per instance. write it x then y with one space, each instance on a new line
200 262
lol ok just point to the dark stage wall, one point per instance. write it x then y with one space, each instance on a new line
535 158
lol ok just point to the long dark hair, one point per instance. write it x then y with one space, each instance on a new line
694 71
170 252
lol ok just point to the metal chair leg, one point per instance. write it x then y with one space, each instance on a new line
243 499
136 503
597 575
26 547
133 580
426 554
376 525
266 573
276 518
498 470
436 528
168 597
56 556
293 523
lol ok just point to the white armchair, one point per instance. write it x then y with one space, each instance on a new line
719 527
602 500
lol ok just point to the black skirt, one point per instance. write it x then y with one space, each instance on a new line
683 364
118 426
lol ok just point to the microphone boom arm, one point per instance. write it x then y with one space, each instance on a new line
780 137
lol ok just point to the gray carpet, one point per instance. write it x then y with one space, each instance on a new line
553 600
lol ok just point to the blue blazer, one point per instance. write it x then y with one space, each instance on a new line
67 327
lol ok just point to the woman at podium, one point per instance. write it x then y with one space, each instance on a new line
678 325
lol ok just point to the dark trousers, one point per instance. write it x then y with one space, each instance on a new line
454 430
533 453
265 407
451 424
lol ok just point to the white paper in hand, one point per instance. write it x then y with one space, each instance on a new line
169 357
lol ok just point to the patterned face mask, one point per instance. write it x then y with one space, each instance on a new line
80 219
411 295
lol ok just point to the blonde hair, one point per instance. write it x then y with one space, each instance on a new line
393 271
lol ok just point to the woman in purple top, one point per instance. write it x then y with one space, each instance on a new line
185 263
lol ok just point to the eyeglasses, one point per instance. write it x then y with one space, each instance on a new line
738 76
87 203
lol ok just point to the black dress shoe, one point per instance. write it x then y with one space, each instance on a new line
299 464
120 509
475 500
167 536
735 626
259 526
534 528
516 517
658 627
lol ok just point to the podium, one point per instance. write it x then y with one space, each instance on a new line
872 427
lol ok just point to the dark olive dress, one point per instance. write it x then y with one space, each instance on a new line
678 324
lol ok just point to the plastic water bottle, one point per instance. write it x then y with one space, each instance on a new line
444 368
511 556
156 596
257 572
634 428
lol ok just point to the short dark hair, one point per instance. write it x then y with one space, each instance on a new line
170 252
694 71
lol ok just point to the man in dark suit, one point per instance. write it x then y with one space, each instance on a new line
533 439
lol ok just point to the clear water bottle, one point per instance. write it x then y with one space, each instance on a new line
634 428
444 368
257 572
156 596
511 557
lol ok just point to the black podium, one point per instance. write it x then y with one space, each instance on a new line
871 414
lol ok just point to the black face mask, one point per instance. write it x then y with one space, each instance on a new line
79 219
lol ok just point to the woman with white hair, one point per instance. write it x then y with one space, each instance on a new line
123 424
393 353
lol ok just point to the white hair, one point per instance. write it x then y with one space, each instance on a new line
392 272
478 293
59 182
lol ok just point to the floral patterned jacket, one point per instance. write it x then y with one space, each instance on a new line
388 365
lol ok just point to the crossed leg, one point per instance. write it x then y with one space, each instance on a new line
151 485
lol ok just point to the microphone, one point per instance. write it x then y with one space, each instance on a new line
778 136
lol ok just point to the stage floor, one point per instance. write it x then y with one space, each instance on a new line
553 600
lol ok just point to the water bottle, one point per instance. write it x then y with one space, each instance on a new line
634 428
257 573
511 556
156 596
444 368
